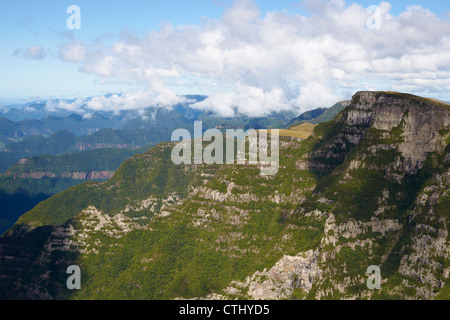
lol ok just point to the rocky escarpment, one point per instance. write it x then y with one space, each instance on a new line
416 123
383 200
405 123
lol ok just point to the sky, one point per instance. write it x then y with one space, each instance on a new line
255 56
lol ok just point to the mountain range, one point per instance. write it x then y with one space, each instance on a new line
369 188
38 160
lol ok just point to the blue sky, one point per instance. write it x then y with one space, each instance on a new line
33 35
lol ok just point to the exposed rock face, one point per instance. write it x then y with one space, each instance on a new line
412 121
420 122
426 256
279 282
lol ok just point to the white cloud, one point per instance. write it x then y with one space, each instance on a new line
138 100
30 109
72 52
72 106
256 101
34 52
258 63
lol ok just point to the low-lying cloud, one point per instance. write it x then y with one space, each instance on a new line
115 103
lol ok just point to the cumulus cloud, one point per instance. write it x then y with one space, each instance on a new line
258 63
257 102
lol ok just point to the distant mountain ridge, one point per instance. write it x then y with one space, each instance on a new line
319 115
62 142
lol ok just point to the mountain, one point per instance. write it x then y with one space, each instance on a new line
32 145
30 110
10 132
307 116
13 131
56 143
370 188
319 115
17 131
62 142
109 138
35 179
